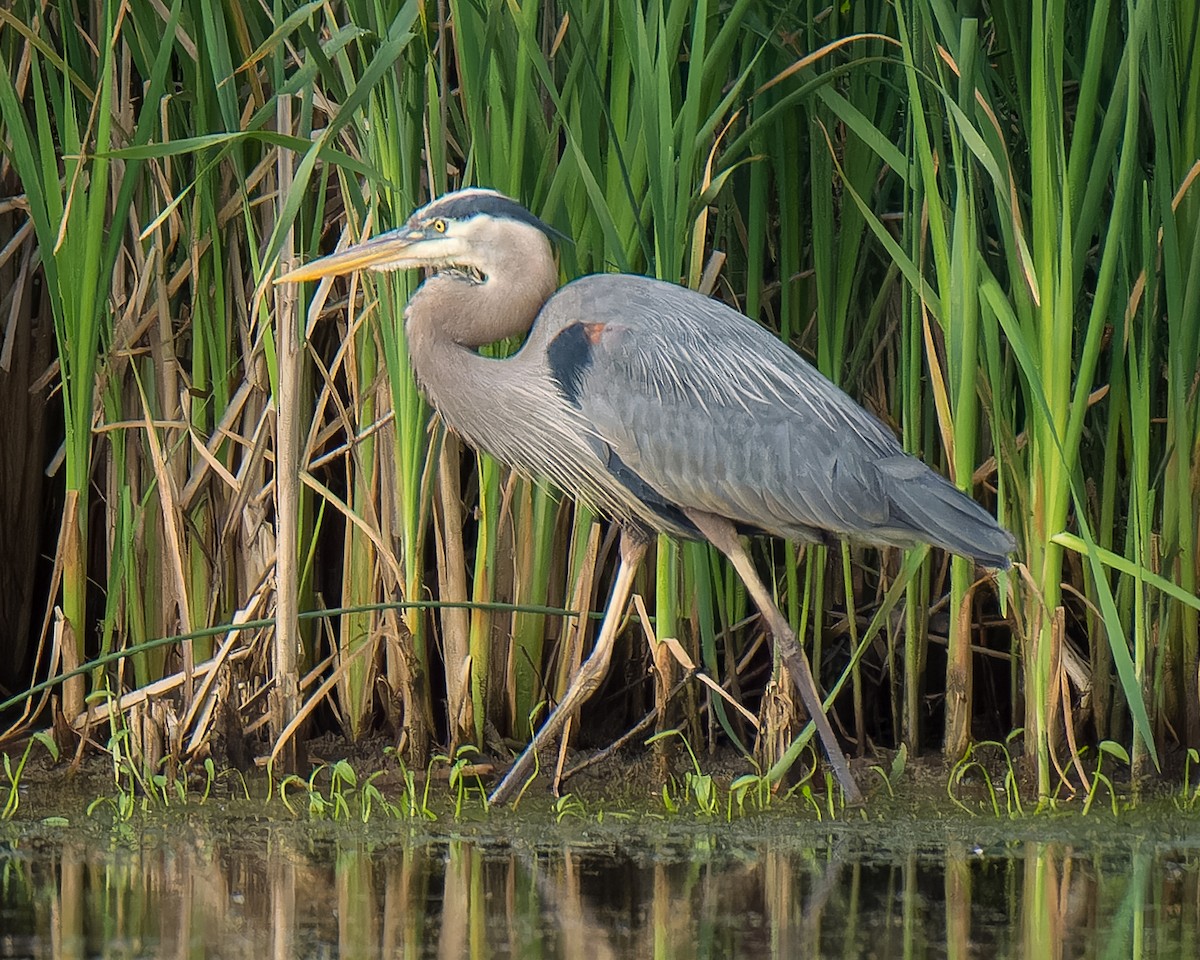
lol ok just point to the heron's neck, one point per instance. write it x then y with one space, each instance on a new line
472 313
443 367
451 316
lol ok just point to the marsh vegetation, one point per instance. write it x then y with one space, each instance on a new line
218 541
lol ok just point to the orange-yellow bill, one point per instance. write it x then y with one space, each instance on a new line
388 251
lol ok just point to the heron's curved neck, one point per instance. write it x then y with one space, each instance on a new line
452 315
454 306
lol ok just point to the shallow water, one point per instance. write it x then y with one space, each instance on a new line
242 887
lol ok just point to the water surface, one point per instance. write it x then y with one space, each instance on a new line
655 888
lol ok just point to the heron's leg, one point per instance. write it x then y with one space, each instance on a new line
591 671
723 535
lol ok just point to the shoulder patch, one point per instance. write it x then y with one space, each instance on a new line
570 354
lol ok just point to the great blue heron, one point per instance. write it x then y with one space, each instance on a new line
664 408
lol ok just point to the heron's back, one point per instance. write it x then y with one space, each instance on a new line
694 406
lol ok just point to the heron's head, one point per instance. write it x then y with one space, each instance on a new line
473 228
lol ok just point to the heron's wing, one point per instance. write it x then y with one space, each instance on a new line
708 411
700 408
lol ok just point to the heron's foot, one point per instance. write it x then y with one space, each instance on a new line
724 536
797 664
586 682
519 773
591 672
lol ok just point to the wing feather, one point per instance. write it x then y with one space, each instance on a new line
648 399
716 414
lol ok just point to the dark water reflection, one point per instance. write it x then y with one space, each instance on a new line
180 891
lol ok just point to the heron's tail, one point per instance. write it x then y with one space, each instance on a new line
938 512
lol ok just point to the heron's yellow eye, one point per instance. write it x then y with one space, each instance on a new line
439 225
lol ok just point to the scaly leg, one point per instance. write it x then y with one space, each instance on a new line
723 535
591 671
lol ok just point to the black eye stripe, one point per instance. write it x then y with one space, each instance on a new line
466 206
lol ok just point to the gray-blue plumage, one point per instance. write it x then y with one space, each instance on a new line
711 411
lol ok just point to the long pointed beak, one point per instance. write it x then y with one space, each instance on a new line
388 251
